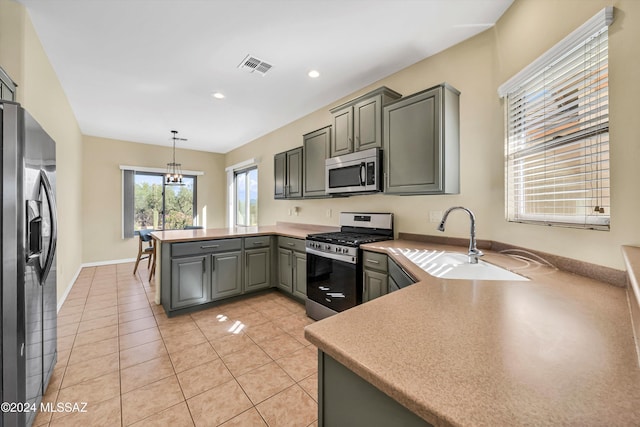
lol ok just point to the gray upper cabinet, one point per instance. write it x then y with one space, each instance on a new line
358 124
367 123
280 175
421 143
288 176
342 142
316 149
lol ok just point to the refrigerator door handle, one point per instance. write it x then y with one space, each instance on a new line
46 186
34 230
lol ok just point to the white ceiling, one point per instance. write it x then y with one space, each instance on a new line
136 69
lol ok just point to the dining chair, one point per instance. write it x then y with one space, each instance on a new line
146 252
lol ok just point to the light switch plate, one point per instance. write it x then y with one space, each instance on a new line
435 216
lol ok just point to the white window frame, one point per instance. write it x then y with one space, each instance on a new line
514 210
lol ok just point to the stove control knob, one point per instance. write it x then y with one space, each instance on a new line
345 250
328 247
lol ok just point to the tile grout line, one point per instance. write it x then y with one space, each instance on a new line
253 310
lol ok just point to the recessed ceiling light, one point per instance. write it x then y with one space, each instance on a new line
314 74
218 95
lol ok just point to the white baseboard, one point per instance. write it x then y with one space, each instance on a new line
66 292
89 264
113 261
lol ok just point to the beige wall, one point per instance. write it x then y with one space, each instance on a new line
102 192
477 67
40 92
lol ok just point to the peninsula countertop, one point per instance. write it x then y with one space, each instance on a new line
556 350
299 231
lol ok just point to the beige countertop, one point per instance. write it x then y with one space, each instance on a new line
557 350
299 231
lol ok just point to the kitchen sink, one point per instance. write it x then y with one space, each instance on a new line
454 265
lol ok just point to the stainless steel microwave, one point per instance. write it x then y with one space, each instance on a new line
354 173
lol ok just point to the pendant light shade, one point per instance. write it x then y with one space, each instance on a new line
174 169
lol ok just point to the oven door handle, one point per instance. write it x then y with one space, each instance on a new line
338 257
363 174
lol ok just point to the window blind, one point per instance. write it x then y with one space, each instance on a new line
557 135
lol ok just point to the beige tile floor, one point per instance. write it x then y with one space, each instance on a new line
244 363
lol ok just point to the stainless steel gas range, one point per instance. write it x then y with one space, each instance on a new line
334 262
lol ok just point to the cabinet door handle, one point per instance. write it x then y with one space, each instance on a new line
258 243
291 244
289 259
204 266
209 246
373 261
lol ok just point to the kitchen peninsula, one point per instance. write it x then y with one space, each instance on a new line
197 267
555 350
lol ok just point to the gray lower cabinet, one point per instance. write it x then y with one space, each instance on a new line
375 285
398 278
287 167
257 266
198 272
358 124
285 270
300 274
292 267
316 147
189 281
346 399
421 143
374 275
226 275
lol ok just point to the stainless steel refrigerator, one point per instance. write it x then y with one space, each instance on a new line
29 229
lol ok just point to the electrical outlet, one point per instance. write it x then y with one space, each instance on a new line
328 213
289 212
435 216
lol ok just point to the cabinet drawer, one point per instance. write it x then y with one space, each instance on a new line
257 242
375 261
205 246
291 243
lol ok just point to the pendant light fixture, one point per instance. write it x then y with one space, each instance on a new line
174 170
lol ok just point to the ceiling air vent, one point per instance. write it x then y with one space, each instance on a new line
253 64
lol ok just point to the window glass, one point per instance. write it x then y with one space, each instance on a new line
557 142
246 197
163 207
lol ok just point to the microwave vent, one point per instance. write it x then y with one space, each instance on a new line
252 64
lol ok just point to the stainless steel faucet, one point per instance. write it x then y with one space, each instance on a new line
474 252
